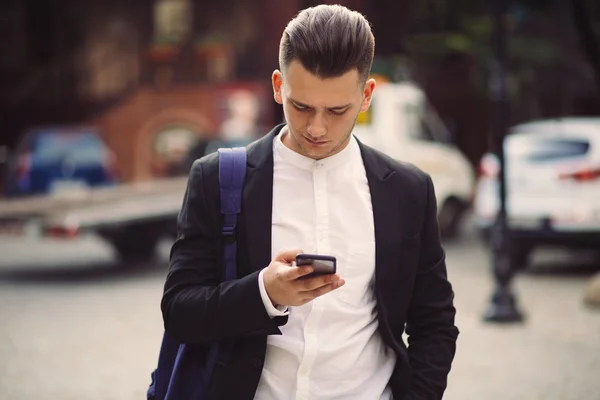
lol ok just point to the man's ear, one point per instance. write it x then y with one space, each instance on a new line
277 81
367 95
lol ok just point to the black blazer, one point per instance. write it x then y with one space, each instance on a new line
411 285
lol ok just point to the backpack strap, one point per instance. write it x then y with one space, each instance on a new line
232 172
180 373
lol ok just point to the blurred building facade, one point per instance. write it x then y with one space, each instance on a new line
154 75
149 70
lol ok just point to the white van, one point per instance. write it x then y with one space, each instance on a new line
402 124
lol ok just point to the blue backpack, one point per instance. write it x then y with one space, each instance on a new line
182 372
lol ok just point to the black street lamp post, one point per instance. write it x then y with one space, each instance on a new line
502 307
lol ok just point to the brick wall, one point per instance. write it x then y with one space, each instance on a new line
129 126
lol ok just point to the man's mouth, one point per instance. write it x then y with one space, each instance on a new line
316 142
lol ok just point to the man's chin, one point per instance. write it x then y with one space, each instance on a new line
316 154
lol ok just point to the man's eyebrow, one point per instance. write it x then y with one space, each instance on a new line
298 103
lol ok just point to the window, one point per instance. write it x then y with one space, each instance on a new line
547 150
172 21
424 124
82 147
174 142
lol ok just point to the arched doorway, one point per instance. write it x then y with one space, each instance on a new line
165 141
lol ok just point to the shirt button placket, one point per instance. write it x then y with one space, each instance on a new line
320 189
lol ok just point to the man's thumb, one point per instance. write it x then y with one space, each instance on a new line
288 256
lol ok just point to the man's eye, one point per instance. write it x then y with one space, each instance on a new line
337 112
300 108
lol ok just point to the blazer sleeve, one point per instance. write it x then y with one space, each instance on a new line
196 306
430 325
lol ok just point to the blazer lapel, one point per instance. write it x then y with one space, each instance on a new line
387 214
258 200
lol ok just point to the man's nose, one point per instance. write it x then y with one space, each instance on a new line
317 127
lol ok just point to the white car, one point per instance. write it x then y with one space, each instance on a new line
552 185
402 124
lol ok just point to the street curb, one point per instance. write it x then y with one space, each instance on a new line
592 293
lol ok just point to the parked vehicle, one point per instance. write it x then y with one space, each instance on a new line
553 185
402 124
134 216
59 159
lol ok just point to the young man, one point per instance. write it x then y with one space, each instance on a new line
312 187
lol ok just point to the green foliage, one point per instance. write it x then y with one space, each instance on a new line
474 36
534 51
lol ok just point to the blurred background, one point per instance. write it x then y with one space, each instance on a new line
105 104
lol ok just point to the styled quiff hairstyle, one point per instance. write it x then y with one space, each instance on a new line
328 40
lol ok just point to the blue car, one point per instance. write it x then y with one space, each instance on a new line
51 160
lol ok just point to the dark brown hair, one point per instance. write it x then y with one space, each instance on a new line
328 40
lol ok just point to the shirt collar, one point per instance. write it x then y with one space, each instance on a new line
290 156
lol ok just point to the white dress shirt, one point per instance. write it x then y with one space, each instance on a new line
330 348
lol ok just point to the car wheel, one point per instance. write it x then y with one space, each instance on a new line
136 244
449 218
133 251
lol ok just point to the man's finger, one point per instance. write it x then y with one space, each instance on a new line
313 294
310 284
288 256
294 272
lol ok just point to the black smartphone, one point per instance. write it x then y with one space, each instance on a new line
323 265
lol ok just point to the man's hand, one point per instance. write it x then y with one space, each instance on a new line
285 289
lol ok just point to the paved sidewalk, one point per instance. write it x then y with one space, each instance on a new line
553 355
74 325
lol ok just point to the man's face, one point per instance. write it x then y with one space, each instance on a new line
320 113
